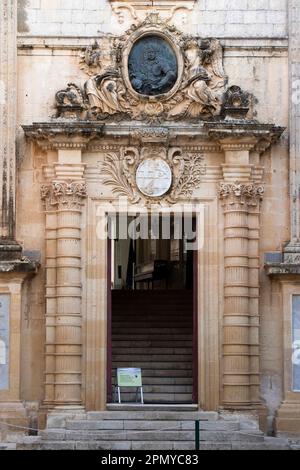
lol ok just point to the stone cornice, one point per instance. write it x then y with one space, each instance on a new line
244 130
82 134
64 134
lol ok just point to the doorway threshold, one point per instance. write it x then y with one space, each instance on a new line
150 407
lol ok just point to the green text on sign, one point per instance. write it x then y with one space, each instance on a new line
129 377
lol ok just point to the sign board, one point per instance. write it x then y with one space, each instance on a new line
4 342
131 377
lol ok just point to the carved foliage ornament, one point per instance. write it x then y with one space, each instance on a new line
63 194
241 193
179 175
153 72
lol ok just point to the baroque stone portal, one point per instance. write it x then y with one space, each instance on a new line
152 66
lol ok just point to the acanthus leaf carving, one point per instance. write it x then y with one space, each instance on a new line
241 193
63 194
191 170
118 176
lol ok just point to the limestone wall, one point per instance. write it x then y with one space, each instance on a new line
220 18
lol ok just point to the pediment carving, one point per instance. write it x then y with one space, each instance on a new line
152 73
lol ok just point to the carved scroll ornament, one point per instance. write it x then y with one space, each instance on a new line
119 172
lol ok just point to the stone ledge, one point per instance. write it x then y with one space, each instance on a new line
23 265
282 269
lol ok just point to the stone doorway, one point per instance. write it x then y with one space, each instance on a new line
152 318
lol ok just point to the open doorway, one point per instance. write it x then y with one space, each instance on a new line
152 318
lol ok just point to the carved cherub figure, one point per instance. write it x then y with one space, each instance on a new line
93 55
199 97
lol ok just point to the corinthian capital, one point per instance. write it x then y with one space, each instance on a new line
64 194
241 193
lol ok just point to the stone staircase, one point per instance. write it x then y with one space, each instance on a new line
150 428
152 329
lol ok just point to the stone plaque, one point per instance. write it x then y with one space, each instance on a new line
152 66
154 177
4 342
296 343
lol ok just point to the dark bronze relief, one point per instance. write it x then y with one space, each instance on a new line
152 66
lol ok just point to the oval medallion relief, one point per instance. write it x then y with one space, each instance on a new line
154 177
152 66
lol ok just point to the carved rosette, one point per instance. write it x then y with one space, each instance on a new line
119 172
241 193
63 194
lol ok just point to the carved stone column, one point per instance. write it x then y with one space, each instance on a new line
240 196
8 103
293 249
64 201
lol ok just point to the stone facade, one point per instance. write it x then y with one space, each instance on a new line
81 129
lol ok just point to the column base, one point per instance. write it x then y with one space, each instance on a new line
14 415
256 413
287 421
58 416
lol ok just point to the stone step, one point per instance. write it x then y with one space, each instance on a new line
136 326
158 397
180 344
167 313
148 445
161 435
135 425
8 446
146 365
164 373
161 380
152 412
153 337
167 350
152 330
169 389
151 357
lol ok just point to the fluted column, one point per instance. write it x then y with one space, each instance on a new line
294 134
63 316
51 282
8 104
240 197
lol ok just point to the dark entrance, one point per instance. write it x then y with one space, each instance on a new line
152 315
